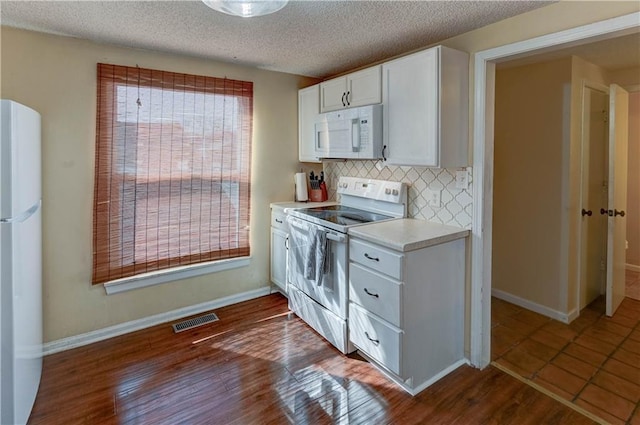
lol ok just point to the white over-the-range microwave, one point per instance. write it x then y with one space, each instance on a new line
354 133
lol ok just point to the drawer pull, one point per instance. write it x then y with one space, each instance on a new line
370 293
375 341
371 258
279 221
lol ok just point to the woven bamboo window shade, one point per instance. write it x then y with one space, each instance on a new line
173 156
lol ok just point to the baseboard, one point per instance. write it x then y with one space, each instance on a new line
573 315
538 308
632 267
136 325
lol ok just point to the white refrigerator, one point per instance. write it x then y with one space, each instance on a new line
20 262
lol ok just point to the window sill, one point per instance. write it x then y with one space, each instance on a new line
177 273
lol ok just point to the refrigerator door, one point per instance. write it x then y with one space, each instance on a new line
20 261
20 159
21 273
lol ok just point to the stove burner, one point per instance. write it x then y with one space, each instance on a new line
343 215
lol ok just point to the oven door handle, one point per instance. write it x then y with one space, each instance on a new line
336 238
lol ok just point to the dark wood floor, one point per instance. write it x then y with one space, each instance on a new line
260 365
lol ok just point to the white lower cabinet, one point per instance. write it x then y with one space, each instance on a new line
406 309
279 236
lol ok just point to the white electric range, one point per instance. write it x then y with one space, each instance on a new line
318 252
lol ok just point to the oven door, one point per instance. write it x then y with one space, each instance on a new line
331 289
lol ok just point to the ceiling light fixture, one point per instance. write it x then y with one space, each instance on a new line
246 9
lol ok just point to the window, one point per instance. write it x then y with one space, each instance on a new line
173 155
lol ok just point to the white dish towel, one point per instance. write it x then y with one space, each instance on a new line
311 250
315 260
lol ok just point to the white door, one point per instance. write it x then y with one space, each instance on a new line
617 202
594 194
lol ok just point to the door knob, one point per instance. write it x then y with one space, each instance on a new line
586 212
620 213
604 212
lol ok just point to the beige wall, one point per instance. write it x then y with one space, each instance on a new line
633 183
630 79
529 142
57 77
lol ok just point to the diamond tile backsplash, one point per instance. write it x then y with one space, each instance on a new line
456 204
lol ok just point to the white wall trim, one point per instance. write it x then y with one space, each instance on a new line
530 305
574 313
632 267
146 322
175 273
484 92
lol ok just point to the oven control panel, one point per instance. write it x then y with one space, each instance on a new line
379 190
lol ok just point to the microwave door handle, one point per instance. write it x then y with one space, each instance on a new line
355 135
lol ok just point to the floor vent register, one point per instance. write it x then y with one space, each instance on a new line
195 322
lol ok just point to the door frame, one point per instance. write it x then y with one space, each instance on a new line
483 159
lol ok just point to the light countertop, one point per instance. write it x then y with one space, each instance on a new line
293 204
407 234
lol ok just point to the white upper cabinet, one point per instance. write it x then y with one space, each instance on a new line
308 111
426 108
356 89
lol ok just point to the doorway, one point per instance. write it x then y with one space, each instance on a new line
485 69
485 65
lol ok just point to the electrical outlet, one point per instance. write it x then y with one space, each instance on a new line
462 179
433 197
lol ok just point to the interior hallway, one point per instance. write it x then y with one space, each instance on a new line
594 362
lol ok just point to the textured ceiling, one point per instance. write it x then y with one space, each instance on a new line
313 38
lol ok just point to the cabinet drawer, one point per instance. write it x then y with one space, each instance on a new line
376 258
379 340
279 220
376 293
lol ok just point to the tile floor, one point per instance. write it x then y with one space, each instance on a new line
633 285
594 362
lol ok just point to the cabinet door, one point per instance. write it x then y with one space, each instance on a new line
279 258
410 93
332 94
308 111
364 87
